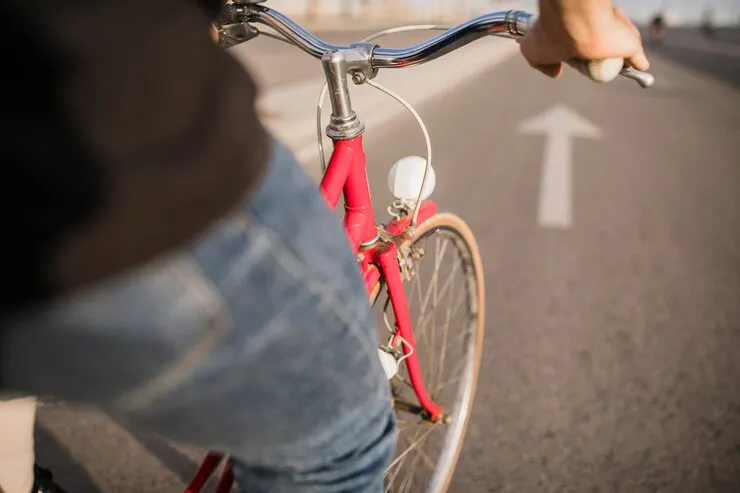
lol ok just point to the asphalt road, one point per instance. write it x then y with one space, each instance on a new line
612 358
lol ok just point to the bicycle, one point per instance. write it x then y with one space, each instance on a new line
389 254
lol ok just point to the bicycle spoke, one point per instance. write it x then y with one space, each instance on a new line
448 283
433 281
409 476
450 381
451 312
437 264
426 459
398 462
416 446
445 337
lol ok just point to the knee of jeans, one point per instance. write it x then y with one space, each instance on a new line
306 383
359 468
126 341
296 382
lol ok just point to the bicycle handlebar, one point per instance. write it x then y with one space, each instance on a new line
507 24
497 23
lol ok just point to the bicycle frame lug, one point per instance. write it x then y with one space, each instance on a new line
347 129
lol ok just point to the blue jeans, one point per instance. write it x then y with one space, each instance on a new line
258 341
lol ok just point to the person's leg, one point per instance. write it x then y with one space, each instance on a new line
17 417
260 343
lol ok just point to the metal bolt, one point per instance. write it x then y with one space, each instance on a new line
416 254
358 78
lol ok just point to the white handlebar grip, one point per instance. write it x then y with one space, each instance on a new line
601 71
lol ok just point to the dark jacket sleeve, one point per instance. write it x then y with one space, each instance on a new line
127 132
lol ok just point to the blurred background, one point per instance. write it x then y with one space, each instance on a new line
612 358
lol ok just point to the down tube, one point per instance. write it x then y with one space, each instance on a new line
388 260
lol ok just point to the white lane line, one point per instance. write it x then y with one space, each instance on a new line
560 125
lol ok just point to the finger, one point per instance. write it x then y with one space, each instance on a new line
639 61
552 70
527 48
534 49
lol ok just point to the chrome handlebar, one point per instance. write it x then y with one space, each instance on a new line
509 24
506 24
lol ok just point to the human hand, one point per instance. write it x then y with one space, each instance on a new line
587 30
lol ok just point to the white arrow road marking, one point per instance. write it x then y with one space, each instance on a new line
559 124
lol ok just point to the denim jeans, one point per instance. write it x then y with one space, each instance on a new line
257 341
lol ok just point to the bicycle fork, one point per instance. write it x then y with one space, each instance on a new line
388 260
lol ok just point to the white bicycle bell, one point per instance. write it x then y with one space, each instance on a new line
406 177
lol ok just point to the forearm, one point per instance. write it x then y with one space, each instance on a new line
567 8
576 18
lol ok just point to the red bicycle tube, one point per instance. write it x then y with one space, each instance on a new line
336 174
346 172
207 468
359 220
388 260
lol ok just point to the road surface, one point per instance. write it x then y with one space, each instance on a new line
612 358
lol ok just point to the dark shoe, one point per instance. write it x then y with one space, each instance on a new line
44 481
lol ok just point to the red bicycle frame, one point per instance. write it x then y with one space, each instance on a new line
346 174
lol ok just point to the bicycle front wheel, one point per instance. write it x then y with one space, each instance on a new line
446 297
